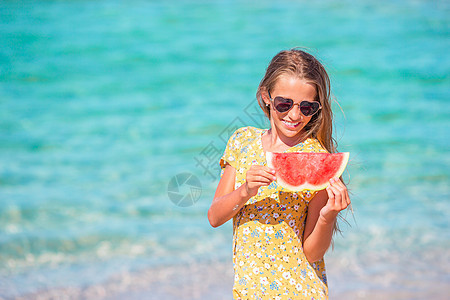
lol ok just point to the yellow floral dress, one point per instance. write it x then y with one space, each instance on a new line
268 257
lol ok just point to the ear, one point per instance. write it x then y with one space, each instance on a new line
265 97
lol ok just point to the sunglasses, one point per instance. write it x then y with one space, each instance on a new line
307 108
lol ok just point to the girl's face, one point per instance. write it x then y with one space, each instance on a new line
291 123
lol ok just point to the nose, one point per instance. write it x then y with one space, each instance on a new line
295 114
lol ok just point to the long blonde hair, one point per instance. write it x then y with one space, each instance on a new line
304 66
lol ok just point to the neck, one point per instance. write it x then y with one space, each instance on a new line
279 143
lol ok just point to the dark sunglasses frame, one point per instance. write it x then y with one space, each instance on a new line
304 106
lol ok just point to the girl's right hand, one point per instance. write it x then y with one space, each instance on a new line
258 176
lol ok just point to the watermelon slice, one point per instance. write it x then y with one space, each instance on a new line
299 171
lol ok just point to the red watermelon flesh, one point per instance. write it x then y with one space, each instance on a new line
298 171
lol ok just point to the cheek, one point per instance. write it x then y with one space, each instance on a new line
310 121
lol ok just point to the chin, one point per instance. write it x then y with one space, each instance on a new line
292 133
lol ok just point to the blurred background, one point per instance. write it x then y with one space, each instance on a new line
103 103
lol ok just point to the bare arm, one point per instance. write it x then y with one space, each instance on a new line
228 201
322 212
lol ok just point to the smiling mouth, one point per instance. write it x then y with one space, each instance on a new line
290 124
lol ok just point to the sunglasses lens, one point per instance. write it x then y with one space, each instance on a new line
309 108
282 104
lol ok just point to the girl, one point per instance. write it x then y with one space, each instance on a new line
280 237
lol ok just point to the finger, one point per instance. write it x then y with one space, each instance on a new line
270 170
340 184
267 174
347 197
337 195
345 201
257 168
262 170
330 193
260 179
344 190
337 183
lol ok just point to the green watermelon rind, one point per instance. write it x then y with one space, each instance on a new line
307 185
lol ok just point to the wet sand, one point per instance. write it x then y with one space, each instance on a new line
193 281
214 281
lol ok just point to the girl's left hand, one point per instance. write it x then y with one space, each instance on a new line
338 199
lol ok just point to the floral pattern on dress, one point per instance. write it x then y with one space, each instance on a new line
268 257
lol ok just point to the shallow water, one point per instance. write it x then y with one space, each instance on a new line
102 104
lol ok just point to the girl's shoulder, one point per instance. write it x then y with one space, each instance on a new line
246 134
238 145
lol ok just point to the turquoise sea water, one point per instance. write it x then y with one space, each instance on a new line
103 103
